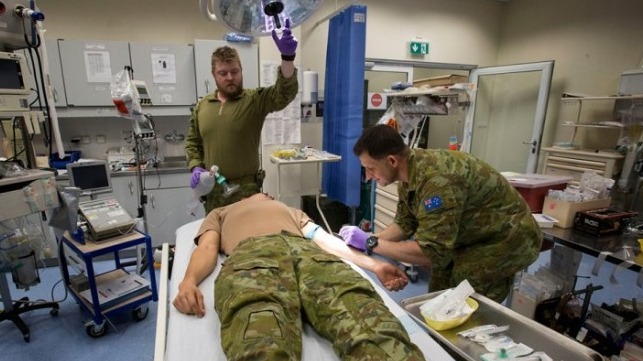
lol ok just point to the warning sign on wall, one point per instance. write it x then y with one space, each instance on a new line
376 101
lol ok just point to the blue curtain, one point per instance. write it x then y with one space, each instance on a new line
344 103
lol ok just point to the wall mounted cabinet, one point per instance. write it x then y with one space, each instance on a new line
88 67
168 72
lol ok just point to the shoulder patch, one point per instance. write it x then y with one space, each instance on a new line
432 203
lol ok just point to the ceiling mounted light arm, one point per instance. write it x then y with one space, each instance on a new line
273 8
206 6
258 17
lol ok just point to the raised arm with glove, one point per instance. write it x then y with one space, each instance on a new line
287 45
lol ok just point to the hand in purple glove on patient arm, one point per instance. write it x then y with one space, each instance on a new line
287 44
354 237
196 176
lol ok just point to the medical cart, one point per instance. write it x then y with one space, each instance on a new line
136 301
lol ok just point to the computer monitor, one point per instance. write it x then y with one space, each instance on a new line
91 177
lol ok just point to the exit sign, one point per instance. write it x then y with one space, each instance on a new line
419 48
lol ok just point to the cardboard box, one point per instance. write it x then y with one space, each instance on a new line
444 80
565 212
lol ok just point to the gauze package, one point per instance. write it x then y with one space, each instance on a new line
449 304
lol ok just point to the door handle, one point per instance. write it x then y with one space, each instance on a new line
533 144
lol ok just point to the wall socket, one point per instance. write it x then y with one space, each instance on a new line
85 139
100 139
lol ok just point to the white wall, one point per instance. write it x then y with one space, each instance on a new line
592 41
458 31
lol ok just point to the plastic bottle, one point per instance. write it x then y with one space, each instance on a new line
453 143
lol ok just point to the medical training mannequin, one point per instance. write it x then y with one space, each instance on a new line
467 221
275 273
225 126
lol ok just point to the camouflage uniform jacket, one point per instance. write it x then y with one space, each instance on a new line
228 134
466 216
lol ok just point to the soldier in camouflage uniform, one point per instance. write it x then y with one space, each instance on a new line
467 219
274 275
225 126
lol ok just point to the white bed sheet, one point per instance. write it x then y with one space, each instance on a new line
191 338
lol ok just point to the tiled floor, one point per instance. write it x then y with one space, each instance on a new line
63 337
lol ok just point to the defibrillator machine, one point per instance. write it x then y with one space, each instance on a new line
105 218
102 218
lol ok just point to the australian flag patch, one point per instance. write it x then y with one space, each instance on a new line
432 203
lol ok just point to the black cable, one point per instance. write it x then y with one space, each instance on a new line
33 71
47 125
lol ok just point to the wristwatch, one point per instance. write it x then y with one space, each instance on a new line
371 242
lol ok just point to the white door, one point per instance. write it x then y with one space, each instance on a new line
504 124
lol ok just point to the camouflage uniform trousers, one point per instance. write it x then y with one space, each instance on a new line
216 199
270 283
490 266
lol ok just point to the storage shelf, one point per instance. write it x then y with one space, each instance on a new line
581 97
587 125
134 301
435 92
580 101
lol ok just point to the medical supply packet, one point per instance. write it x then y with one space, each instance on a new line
449 304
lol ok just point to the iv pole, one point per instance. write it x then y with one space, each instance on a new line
140 186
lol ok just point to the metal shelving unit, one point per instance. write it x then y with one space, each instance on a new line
136 302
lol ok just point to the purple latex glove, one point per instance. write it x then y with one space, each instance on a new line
196 175
354 237
287 45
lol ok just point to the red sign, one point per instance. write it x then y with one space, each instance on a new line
376 100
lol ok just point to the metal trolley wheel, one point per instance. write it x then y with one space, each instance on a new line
94 330
140 313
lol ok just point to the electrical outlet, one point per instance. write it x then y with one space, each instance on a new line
85 139
100 139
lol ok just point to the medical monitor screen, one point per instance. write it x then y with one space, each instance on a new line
90 177
10 74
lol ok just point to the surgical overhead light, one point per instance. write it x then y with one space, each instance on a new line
258 17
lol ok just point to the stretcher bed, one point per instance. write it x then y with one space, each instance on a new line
183 337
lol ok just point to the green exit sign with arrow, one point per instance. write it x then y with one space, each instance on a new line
419 48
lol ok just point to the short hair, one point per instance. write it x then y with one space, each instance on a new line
380 141
225 54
